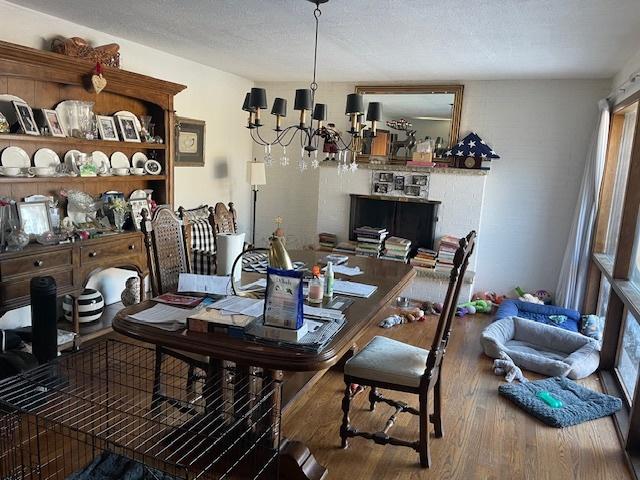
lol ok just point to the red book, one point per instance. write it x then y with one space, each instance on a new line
179 300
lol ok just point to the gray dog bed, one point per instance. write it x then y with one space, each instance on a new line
541 348
580 403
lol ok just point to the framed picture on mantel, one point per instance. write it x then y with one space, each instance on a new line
190 136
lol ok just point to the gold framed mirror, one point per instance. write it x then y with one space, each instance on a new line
411 115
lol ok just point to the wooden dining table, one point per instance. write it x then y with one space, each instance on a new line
294 370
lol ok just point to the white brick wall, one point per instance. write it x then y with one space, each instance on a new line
540 128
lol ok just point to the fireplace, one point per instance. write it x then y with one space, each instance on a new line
411 218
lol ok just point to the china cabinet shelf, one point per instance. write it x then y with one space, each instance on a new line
111 179
78 142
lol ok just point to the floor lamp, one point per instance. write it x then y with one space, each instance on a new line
257 177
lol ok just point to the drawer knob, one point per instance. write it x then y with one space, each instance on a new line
93 254
38 263
132 247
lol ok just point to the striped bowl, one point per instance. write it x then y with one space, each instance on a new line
90 306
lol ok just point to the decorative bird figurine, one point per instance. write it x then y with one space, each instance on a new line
81 204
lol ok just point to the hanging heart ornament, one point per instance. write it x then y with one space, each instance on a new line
97 80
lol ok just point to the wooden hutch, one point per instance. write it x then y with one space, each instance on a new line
43 79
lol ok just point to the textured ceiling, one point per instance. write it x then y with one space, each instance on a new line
376 40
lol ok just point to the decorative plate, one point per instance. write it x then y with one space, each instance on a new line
70 161
100 159
119 160
137 195
45 157
15 157
152 167
126 113
138 160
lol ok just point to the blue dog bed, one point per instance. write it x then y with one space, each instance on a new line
580 403
539 313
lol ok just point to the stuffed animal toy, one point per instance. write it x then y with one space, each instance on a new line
592 326
404 315
545 296
492 297
505 366
527 297
429 309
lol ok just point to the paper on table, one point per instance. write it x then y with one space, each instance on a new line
344 270
162 313
322 312
260 283
246 306
356 289
191 282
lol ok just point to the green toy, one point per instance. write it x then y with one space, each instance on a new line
549 399
476 306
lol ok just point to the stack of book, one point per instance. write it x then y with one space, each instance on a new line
346 247
396 249
425 258
370 241
446 251
327 241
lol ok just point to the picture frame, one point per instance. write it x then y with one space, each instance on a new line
51 120
25 118
386 177
381 188
34 217
398 183
190 142
136 205
421 180
107 128
128 129
412 190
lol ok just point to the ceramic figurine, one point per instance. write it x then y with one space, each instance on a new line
131 294
4 124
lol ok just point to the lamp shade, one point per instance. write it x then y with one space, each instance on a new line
279 107
320 112
374 112
303 99
355 104
256 173
246 106
258 98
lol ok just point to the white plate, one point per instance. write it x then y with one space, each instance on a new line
45 157
119 160
15 157
7 109
126 113
138 160
100 158
137 194
152 167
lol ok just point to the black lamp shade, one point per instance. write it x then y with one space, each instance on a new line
303 99
320 112
355 104
374 112
258 98
279 107
246 106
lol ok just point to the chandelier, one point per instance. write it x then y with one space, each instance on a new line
310 132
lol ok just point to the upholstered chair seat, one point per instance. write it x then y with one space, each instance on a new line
386 360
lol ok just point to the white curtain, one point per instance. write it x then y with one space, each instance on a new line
573 274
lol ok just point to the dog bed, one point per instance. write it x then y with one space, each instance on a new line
541 348
580 403
540 313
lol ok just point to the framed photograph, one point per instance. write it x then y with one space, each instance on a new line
107 128
381 188
190 135
137 204
128 128
412 190
421 180
398 183
25 118
34 217
49 119
386 177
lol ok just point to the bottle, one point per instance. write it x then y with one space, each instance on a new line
328 280
316 286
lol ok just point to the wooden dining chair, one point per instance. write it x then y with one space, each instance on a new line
167 243
389 364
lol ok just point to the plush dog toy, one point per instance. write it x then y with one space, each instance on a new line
505 366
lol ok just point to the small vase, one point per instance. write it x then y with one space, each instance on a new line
17 239
118 220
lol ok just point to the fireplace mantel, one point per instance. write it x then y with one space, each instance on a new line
393 198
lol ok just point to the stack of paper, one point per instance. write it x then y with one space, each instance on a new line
212 284
163 316
322 313
354 289
246 306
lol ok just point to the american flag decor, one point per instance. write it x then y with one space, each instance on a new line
472 146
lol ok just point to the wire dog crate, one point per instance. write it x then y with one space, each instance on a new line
97 413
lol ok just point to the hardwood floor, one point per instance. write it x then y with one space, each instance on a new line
485 436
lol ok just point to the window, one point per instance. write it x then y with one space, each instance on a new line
629 355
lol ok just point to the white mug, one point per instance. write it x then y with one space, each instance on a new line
120 171
137 170
42 171
11 171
